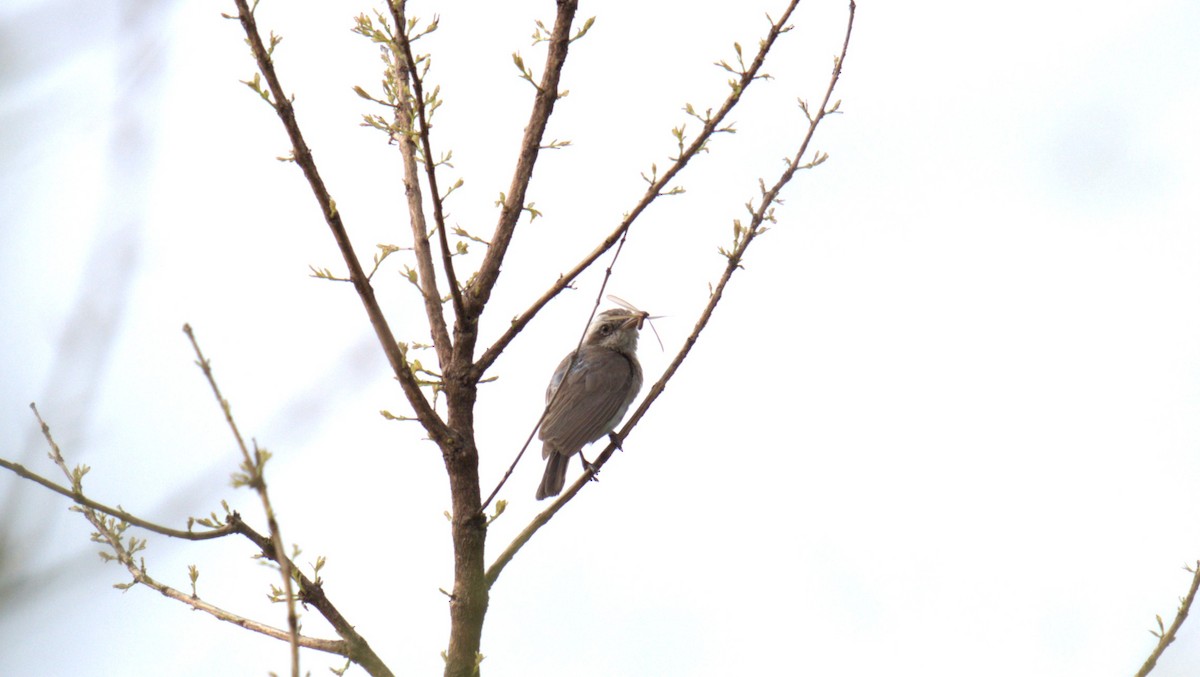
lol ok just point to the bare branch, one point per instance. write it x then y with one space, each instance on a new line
439 219
761 214
333 646
657 187
80 499
426 282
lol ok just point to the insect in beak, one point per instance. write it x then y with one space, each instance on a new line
639 316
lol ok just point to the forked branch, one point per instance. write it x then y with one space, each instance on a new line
304 158
110 524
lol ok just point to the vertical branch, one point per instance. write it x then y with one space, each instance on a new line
543 106
416 208
439 219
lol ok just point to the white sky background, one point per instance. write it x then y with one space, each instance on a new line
945 422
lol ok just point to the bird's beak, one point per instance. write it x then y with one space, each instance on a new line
633 321
644 316
636 320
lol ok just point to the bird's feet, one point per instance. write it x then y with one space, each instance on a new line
590 468
616 441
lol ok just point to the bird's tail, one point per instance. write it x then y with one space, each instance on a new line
555 475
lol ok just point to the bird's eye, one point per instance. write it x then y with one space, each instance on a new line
606 329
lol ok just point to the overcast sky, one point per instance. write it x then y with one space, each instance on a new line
945 423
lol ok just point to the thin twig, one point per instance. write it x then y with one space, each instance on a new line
79 498
254 468
656 189
574 355
1165 638
769 198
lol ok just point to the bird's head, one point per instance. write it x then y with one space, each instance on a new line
616 329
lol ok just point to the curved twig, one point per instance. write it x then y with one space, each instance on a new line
1165 637
80 499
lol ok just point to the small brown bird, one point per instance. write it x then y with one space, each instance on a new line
593 396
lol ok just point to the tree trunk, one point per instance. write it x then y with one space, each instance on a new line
469 601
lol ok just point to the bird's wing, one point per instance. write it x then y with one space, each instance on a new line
596 391
556 379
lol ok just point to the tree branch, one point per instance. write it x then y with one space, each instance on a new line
80 499
333 646
543 105
140 576
404 116
439 219
760 214
656 189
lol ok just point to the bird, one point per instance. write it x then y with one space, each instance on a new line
589 393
